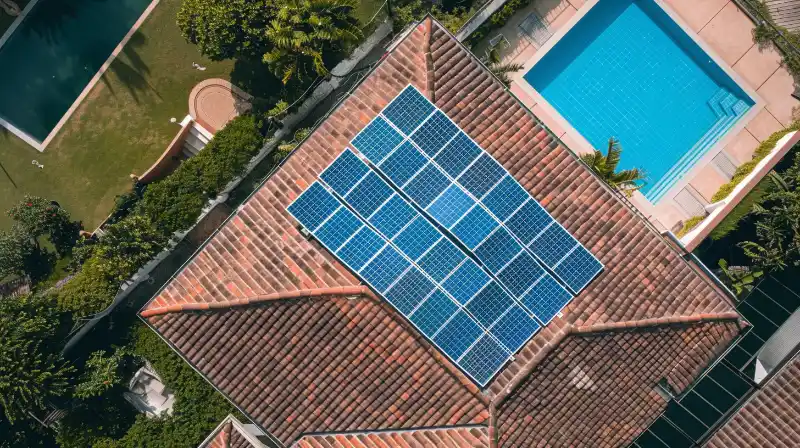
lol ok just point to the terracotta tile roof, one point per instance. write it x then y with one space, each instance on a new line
279 360
771 418
598 389
460 437
324 365
228 435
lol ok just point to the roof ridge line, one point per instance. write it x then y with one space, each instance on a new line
296 294
356 432
598 328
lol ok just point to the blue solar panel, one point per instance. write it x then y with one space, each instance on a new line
427 186
552 245
450 206
546 298
489 304
393 216
363 246
315 205
505 198
403 163
408 110
484 359
377 139
468 279
409 291
457 155
458 335
520 274
433 313
344 172
515 328
474 227
385 268
529 221
338 229
368 195
434 134
578 269
482 175
441 259
418 237
498 249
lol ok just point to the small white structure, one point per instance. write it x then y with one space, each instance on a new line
148 393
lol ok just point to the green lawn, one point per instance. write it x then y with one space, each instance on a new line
123 125
120 128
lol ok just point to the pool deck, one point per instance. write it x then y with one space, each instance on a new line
727 32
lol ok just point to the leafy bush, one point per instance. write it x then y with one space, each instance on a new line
101 373
689 224
732 220
40 217
176 202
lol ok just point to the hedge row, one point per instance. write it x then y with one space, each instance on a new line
170 205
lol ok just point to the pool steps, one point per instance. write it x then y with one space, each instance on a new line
728 109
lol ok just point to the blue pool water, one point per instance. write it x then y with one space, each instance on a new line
627 70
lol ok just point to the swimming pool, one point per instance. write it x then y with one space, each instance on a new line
627 70
52 55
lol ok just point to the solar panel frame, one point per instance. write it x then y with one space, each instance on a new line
574 288
439 280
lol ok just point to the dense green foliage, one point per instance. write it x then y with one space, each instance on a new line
32 372
777 221
605 166
176 202
38 217
16 251
101 373
292 37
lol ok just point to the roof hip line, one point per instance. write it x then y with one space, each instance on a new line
355 290
600 328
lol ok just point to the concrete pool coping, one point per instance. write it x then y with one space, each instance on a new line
581 145
40 146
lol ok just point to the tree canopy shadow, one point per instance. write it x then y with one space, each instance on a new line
131 69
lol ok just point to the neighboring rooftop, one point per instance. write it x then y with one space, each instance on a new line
231 433
290 336
770 418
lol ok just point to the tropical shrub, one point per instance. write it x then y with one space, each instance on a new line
496 21
689 224
32 372
37 217
101 373
605 166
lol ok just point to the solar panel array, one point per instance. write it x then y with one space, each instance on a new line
442 232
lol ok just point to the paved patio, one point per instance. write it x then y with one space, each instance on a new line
728 31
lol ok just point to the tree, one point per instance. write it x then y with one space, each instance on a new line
501 70
605 166
31 372
291 37
304 30
125 247
39 217
16 249
101 373
225 29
